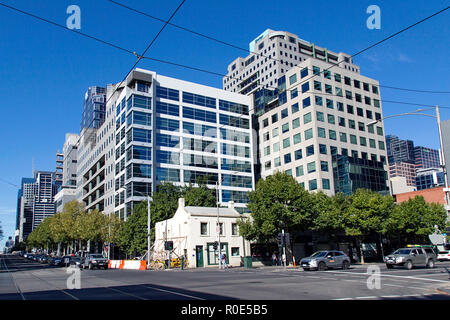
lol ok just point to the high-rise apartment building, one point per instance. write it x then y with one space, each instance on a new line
399 150
312 116
160 129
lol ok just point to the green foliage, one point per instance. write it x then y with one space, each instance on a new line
329 212
415 219
278 202
132 237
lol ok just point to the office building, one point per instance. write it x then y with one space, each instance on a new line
426 158
68 169
445 127
312 120
160 129
399 150
37 201
429 178
93 108
403 169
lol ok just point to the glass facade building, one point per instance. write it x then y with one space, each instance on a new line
93 108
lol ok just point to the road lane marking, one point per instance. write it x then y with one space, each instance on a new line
173 292
13 279
126 293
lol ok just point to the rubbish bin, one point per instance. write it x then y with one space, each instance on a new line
247 262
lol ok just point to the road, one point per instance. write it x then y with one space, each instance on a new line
21 279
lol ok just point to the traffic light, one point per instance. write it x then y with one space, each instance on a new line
215 245
280 240
168 245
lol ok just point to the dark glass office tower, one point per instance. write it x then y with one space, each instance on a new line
93 108
351 174
399 150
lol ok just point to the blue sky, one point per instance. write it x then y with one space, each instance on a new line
45 70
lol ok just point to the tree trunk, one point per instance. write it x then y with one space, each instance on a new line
360 250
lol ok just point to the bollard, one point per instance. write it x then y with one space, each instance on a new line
182 263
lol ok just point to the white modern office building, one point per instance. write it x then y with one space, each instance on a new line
160 129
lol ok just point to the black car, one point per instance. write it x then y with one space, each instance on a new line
55 261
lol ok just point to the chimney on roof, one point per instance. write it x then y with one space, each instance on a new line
180 202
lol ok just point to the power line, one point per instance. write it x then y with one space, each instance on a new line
274 59
135 64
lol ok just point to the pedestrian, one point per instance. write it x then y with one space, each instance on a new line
274 259
224 262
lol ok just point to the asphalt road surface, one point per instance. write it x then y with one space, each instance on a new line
21 279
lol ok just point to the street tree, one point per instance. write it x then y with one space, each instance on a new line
366 214
278 203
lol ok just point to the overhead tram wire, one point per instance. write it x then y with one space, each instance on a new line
274 59
207 71
135 64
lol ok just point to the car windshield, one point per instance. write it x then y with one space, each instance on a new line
96 256
403 251
319 254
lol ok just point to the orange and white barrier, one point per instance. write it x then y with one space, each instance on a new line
128 264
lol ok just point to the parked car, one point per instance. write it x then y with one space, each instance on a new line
55 261
321 260
443 256
411 256
75 261
94 260
43 259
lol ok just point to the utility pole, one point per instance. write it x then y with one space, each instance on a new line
149 230
218 223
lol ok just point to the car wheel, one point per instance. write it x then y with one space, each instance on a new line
345 265
305 269
430 263
408 265
322 266
389 266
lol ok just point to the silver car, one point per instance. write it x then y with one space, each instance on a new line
322 260
411 257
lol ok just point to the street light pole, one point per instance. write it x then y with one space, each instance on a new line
218 223
148 230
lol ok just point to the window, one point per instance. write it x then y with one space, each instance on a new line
284 113
337 77
294 93
235 251
366 86
380 131
299 171
360 112
265 122
361 126
311 166
304 72
274 118
381 145
322 149
167 108
332 134
348 95
286 142
287 158
326 184
318 100
267 151
328 89
331 119
298 154
324 166
310 150
306 102
363 141
166 93
305 87
342 136
294 108
353 139
351 124
327 74
341 121
348 81
296 123
316 70
285 127
320 116
367 100
329 103
277 162
357 84
308 134
276 147
293 79
307 118
375 89
203 228
369 114
199 100
338 91
321 132
370 128
372 143
297 138
201 115
350 109
317 85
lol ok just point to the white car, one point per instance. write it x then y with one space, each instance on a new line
443 256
